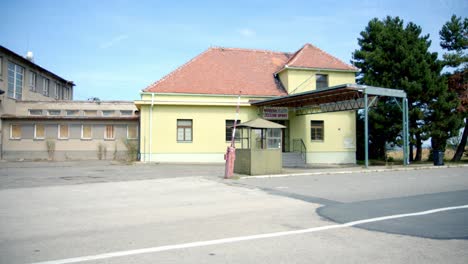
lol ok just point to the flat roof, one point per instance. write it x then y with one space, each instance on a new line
339 93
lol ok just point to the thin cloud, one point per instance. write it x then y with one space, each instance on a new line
113 41
247 32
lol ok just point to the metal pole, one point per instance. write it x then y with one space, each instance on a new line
366 131
405 132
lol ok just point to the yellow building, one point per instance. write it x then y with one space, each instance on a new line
186 116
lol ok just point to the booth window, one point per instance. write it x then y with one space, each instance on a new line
184 130
273 138
229 128
321 81
316 130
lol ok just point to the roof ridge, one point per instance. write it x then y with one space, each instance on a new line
249 49
296 54
177 69
328 54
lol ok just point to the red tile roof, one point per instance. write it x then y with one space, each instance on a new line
228 71
310 56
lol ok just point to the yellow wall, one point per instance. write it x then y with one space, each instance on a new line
297 81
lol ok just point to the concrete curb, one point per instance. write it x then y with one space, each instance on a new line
351 171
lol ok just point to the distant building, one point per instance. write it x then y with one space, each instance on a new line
187 115
39 119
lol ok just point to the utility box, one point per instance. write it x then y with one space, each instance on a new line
258 148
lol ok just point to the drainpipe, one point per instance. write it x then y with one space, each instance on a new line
151 127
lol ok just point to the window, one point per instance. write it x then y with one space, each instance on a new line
65 93
45 87
35 112
126 112
108 112
90 112
15 81
57 91
109 132
86 132
132 131
1 66
316 130
229 127
63 131
184 130
39 131
32 81
15 131
321 81
72 112
273 138
54 112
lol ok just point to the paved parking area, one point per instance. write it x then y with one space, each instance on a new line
162 213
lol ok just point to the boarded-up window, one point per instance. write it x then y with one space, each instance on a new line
15 131
39 131
132 131
63 131
86 132
316 130
109 132
184 130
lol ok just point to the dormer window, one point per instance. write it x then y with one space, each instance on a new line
321 81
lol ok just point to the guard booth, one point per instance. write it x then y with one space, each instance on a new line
258 147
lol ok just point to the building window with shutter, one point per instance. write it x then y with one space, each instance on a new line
63 131
39 131
132 131
316 130
109 132
15 131
184 130
86 132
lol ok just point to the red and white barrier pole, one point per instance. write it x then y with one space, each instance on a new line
230 155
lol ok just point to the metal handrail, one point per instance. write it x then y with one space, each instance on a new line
299 146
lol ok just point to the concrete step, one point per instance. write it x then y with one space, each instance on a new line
293 160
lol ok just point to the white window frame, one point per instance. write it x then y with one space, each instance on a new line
113 132
126 111
35 131
59 134
31 112
82 130
16 69
184 140
32 81
65 93
136 132
45 88
49 112
11 131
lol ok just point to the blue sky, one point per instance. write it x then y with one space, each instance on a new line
114 49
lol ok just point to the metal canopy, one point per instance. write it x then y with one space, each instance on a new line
344 98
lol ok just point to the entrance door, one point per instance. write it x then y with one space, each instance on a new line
284 134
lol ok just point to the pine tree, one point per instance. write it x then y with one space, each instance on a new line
395 56
454 39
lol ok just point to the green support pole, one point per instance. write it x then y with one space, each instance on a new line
406 132
366 132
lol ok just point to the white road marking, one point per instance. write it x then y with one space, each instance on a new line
282 187
243 238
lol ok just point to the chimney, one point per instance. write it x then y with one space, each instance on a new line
29 56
